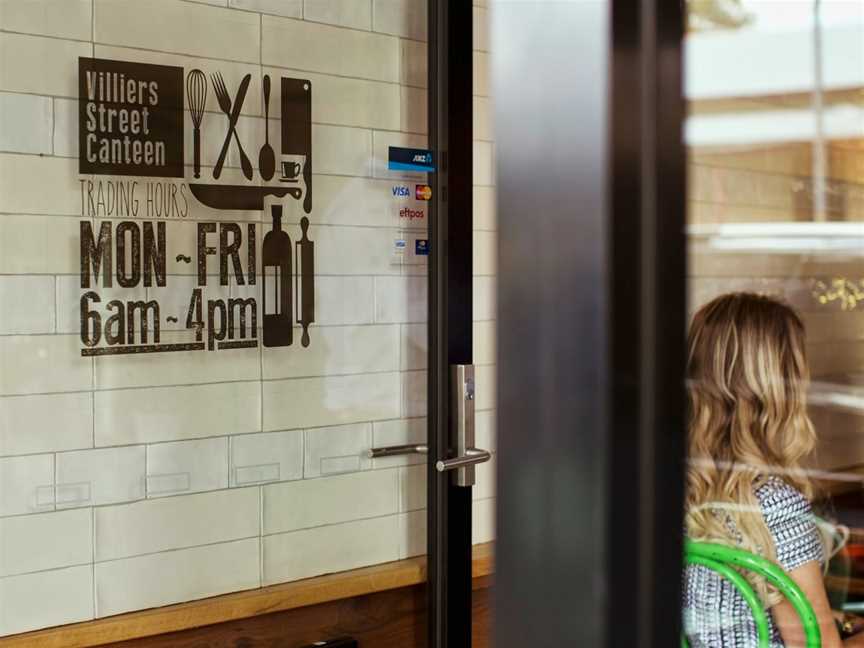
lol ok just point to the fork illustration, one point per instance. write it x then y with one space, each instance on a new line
233 114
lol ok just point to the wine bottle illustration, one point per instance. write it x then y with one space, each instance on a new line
278 271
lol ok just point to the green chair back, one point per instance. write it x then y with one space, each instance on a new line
723 560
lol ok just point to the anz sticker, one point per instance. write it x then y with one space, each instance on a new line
409 159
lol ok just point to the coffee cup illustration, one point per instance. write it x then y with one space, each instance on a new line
290 171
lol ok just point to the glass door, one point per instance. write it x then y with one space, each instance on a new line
215 253
775 136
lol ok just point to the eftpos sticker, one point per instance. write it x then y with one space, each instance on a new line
422 192
130 118
421 247
409 159
408 214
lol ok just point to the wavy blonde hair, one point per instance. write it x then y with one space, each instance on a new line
747 381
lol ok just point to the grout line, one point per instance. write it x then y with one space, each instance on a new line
43 571
385 372
215 490
160 552
93 558
260 536
371 31
54 486
303 443
147 470
393 514
53 125
65 39
203 57
56 315
93 400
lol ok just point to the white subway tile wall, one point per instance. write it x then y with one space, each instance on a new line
26 484
175 576
321 550
348 13
46 423
46 598
333 450
33 543
485 250
100 476
187 466
168 523
267 457
178 476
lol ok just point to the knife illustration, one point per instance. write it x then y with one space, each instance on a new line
297 129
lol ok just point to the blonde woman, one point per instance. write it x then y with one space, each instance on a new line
749 431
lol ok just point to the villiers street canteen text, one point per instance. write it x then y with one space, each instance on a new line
119 135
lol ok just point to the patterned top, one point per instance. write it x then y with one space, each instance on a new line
715 614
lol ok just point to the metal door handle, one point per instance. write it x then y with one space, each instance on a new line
395 451
462 413
462 394
471 457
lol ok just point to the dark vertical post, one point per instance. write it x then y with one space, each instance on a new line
591 322
450 313
664 352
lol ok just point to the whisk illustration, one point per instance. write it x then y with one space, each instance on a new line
196 93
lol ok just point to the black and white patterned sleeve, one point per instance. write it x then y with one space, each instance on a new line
789 518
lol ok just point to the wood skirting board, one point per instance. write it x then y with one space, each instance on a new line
286 597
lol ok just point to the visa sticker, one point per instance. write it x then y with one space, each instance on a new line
422 192
421 247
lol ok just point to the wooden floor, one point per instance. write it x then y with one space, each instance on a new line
391 619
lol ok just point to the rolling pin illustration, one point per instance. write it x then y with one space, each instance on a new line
304 281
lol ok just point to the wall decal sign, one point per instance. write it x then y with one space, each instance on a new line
422 192
132 118
409 159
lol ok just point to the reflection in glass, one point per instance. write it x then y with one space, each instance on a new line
775 136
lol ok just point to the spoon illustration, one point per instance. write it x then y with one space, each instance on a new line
267 158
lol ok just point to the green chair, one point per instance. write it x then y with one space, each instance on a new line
723 560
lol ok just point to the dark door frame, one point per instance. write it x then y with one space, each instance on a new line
591 322
450 313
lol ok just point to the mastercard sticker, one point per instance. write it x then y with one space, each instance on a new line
423 192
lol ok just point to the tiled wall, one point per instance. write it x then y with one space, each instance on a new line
485 270
132 482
